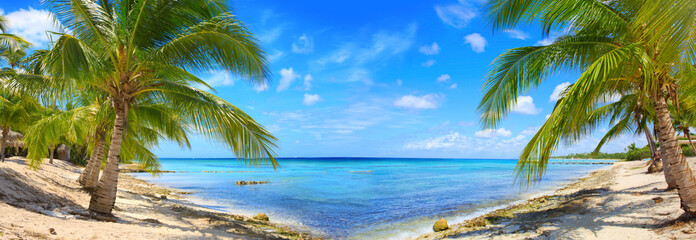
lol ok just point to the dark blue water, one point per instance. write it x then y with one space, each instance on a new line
359 197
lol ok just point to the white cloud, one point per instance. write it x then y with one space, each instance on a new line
428 101
517 34
548 116
399 82
311 99
466 124
275 56
477 42
490 143
303 45
530 131
359 75
325 122
389 43
546 41
308 82
433 49
261 87
31 25
428 63
350 56
287 76
339 56
269 36
444 78
525 105
558 91
456 15
447 141
453 86
491 133
219 78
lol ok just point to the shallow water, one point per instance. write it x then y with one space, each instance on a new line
376 198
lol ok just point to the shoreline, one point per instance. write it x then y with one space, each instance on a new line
463 218
618 200
575 211
395 229
49 204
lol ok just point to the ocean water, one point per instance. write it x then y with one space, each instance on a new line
360 198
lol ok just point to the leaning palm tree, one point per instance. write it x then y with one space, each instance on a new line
148 124
630 115
633 42
132 50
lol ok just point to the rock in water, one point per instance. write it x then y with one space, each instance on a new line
261 217
440 225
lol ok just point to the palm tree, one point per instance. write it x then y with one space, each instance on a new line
15 112
682 123
55 127
148 124
614 43
630 115
10 42
133 50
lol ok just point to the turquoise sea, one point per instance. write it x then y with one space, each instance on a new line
359 198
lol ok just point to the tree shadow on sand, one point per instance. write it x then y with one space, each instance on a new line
16 191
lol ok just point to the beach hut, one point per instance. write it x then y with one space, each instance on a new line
14 140
63 152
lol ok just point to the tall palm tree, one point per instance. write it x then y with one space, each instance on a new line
131 50
633 42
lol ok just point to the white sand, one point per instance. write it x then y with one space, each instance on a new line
611 204
57 202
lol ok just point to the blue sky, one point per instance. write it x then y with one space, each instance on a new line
371 79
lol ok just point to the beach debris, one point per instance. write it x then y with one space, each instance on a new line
658 199
250 182
151 220
163 197
52 231
440 225
261 217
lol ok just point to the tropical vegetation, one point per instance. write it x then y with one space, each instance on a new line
121 78
644 48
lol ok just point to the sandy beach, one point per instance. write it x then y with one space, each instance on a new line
49 204
622 202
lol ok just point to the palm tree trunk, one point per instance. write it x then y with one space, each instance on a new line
675 161
669 177
104 197
688 136
651 143
50 156
90 176
655 164
5 131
